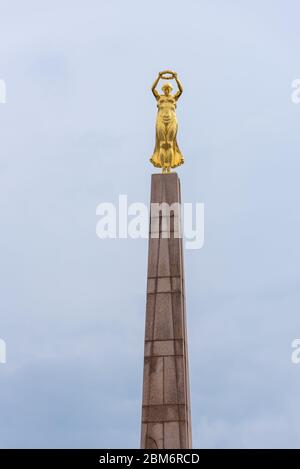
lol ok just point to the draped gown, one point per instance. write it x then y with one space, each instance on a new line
166 153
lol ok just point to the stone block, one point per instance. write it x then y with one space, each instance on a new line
163 347
163 322
172 435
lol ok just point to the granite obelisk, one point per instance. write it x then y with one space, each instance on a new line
166 413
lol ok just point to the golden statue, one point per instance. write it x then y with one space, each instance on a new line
166 153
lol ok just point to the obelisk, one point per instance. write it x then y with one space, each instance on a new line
166 413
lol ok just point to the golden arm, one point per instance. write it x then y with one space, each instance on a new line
180 87
154 91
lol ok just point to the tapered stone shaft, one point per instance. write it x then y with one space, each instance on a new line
166 417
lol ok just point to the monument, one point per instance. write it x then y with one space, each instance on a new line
166 412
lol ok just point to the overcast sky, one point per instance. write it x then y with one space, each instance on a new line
78 129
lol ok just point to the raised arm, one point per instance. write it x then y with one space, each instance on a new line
180 88
154 90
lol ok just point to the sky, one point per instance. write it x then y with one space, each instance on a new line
77 129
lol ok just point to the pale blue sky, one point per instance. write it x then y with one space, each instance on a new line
78 129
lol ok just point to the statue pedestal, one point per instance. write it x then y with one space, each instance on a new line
166 417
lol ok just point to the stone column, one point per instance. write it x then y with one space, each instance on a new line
166 418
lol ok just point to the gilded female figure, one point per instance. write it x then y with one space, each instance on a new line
166 153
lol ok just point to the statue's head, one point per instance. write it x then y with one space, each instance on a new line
167 88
